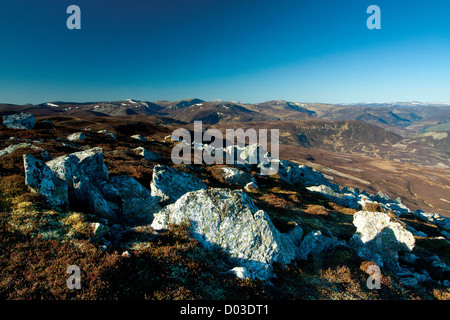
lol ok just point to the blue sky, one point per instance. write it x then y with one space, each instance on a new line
250 51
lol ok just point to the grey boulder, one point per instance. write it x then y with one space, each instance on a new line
146 154
235 176
315 243
41 179
229 220
23 120
77 136
380 239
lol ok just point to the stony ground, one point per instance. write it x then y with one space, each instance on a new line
38 242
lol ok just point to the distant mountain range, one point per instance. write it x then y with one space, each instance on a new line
403 118
361 141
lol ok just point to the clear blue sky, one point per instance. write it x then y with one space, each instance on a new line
245 50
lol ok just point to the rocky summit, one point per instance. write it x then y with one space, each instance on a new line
109 199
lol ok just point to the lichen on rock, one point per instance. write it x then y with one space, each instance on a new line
230 220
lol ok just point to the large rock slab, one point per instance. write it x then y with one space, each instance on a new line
23 120
230 221
345 199
170 184
380 239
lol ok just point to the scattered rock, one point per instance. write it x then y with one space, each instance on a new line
296 235
170 184
379 239
251 187
98 230
10 149
139 137
77 136
172 138
109 134
90 162
294 173
408 258
244 157
230 220
147 154
206 148
434 218
252 154
126 254
347 200
241 273
409 282
235 176
434 266
23 120
416 233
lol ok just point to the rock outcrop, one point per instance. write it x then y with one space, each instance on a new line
230 221
23 120
139 137
83 171
380 239
81 179
345 199
170 184
294 173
